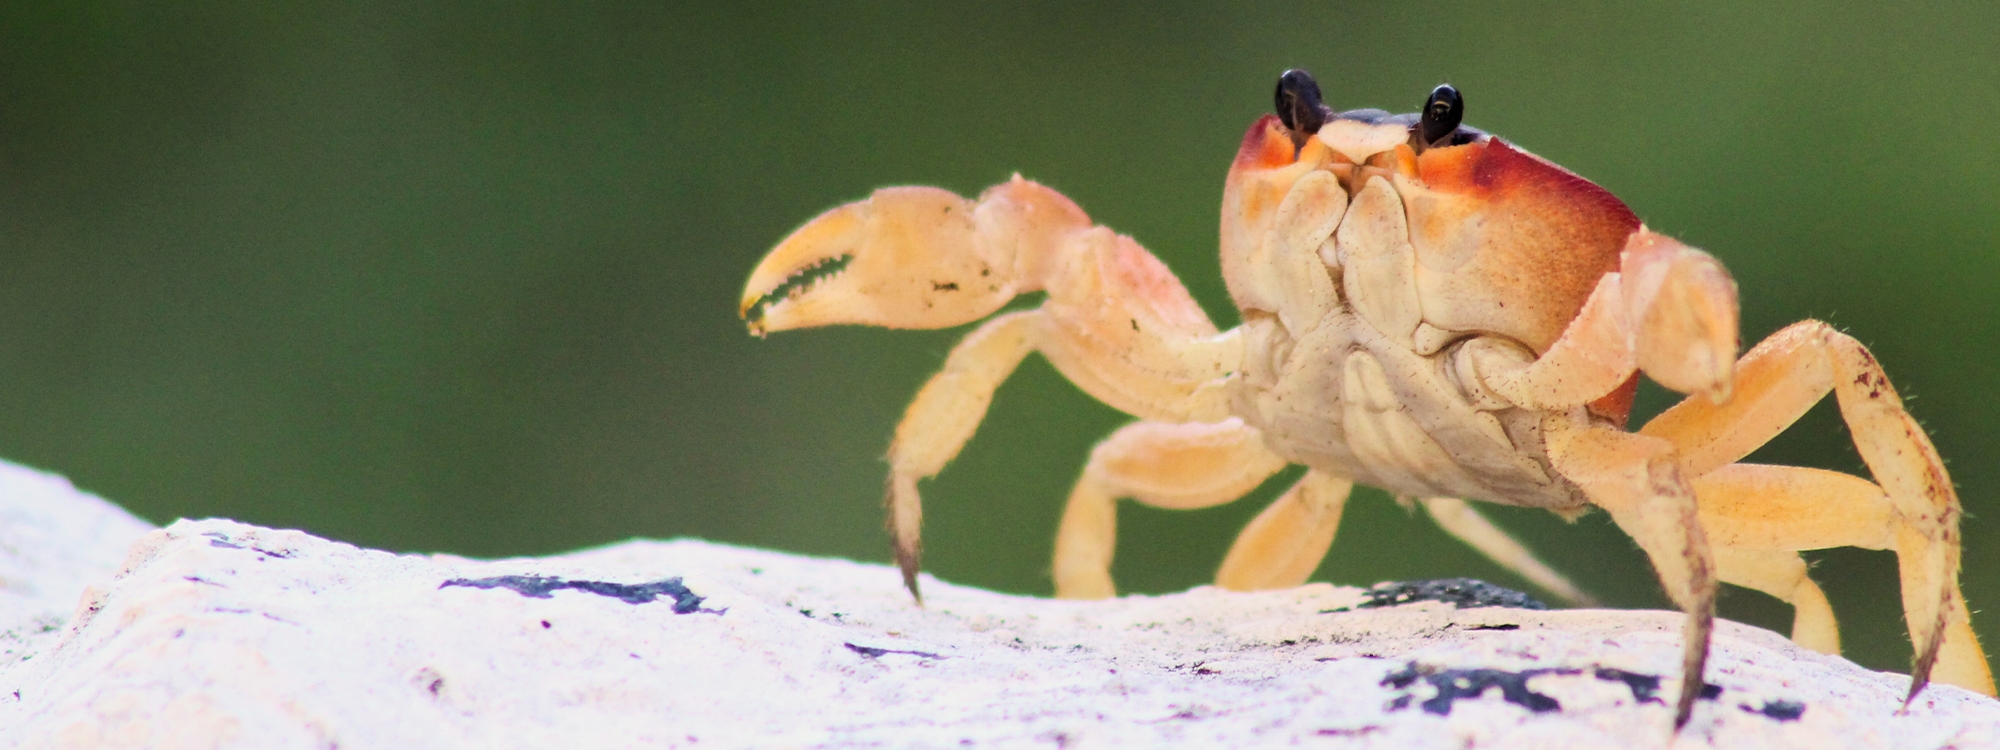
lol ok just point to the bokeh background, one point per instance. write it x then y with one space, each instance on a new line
463 276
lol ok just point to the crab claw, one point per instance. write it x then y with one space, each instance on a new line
909 257
1682 304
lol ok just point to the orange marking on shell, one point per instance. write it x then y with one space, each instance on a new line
1514 242
1266 144
1502 173
1406 160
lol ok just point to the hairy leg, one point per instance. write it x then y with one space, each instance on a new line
1776 383
942 418
1638 480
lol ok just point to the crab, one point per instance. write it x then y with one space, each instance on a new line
1427 309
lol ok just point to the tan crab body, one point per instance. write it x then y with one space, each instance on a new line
1427 309
1374 375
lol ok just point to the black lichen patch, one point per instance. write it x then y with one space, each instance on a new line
542 587
1645 687
1782 710
873 652
1454 684
1463 593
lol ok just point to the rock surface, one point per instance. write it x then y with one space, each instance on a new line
54 541
218 634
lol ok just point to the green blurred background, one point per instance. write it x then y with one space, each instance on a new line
463 276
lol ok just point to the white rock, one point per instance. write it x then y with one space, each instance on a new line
219 634
54 540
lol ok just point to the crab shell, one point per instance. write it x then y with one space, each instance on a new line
1376 281
1491 224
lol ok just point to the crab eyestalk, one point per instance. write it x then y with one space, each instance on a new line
1443 111
1299 106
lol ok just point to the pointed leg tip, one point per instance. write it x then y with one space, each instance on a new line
910 582
1685 709
1916 687
1921 666
907 562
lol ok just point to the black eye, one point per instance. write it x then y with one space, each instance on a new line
1442 113
1299 105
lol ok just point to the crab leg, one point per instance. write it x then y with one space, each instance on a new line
1759 516
1774 510
1782 573
942 418
1639 481
1285 543
1176 466
1459 519
1776 383
1116 323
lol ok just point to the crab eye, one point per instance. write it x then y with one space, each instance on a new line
1442 113
1299 105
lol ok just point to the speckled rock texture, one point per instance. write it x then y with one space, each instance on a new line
218 634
